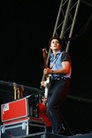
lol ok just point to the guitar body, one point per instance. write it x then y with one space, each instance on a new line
47 86
48 77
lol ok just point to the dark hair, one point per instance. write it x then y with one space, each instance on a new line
55 37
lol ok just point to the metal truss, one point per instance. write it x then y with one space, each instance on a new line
65 20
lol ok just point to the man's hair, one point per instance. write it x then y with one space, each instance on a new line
54 37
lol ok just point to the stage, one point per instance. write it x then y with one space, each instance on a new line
50 135
76 115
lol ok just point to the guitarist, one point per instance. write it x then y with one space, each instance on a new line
60 69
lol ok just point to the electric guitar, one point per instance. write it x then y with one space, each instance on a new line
47 77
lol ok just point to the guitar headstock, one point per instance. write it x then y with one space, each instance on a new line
14 85
44 56
21 90
44 53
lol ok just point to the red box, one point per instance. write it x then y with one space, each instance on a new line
14 110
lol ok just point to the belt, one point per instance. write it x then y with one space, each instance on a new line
62 78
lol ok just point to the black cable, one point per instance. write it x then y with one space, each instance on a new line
70 131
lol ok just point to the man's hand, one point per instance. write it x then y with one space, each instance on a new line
47 71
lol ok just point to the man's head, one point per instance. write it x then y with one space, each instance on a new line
54 37
55 43
44 100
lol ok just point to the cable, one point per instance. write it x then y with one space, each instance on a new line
67 125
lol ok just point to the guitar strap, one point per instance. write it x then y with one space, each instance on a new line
53 63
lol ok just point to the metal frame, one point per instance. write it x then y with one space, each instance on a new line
66 20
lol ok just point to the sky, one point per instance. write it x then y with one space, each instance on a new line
26 28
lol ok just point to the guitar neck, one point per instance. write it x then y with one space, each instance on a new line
46 60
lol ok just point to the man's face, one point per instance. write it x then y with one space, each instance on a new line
44 100
55 45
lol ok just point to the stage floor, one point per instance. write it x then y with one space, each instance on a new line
50 135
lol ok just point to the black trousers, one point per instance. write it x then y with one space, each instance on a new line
57 94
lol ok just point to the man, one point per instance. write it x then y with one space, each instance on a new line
60 69
43 113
